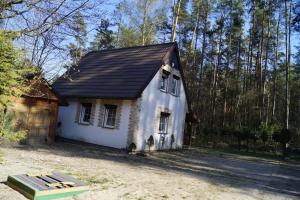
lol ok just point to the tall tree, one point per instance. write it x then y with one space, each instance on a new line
176 13
104 37
287 61
143 19
79 32
12 70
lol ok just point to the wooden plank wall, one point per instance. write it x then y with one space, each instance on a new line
38 116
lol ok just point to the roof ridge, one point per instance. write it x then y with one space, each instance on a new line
123 48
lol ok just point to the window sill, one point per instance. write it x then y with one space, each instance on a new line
84 124
164 91
175 95
109 127
162 133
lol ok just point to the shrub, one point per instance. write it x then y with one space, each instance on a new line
132 147
266 132
172 140
7 131
283 137
150 142
206 131
227 131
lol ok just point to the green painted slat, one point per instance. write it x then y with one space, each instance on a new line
14 182
31 191
61 195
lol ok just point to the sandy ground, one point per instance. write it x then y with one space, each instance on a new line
187 174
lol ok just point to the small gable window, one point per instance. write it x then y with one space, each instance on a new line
85 113
164 81
163 122
110 116
175 86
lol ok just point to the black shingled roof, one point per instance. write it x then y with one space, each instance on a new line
118 73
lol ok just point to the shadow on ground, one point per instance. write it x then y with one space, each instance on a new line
247 174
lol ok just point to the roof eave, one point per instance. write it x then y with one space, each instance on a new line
101 97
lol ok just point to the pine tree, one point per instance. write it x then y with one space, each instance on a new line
78 47
104 38
13 72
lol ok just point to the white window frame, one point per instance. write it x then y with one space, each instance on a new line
164 78
175 86
106 113
83 113
165 117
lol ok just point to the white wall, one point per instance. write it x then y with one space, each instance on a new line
151 99
116 138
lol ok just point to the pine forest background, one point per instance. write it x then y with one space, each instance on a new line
241 58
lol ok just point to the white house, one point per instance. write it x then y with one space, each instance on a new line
125 98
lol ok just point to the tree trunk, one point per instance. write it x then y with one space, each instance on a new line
175 20
261 92
266 67
275 68
195 28
203 43
144 24
287 58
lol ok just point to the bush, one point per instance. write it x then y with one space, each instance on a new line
150 142
206 131
266 132
132 147
282 137
7 131
172 140
227 131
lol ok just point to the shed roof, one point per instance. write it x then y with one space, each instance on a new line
117 73
39 88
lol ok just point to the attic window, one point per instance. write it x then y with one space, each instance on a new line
164 81
175 85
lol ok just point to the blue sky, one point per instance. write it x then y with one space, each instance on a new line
107 8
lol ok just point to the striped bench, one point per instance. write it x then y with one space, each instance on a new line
46 186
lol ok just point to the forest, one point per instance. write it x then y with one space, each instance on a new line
241 58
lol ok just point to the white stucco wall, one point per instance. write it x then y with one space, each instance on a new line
116 138
152 98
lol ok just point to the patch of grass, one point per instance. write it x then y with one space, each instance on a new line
126 194
95 180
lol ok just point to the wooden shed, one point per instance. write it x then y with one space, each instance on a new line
36 111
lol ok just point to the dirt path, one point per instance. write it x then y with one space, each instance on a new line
190 174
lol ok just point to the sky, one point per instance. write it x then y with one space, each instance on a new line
108 8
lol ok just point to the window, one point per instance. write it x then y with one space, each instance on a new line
110 116
163 122
85 113
164 82
175 85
